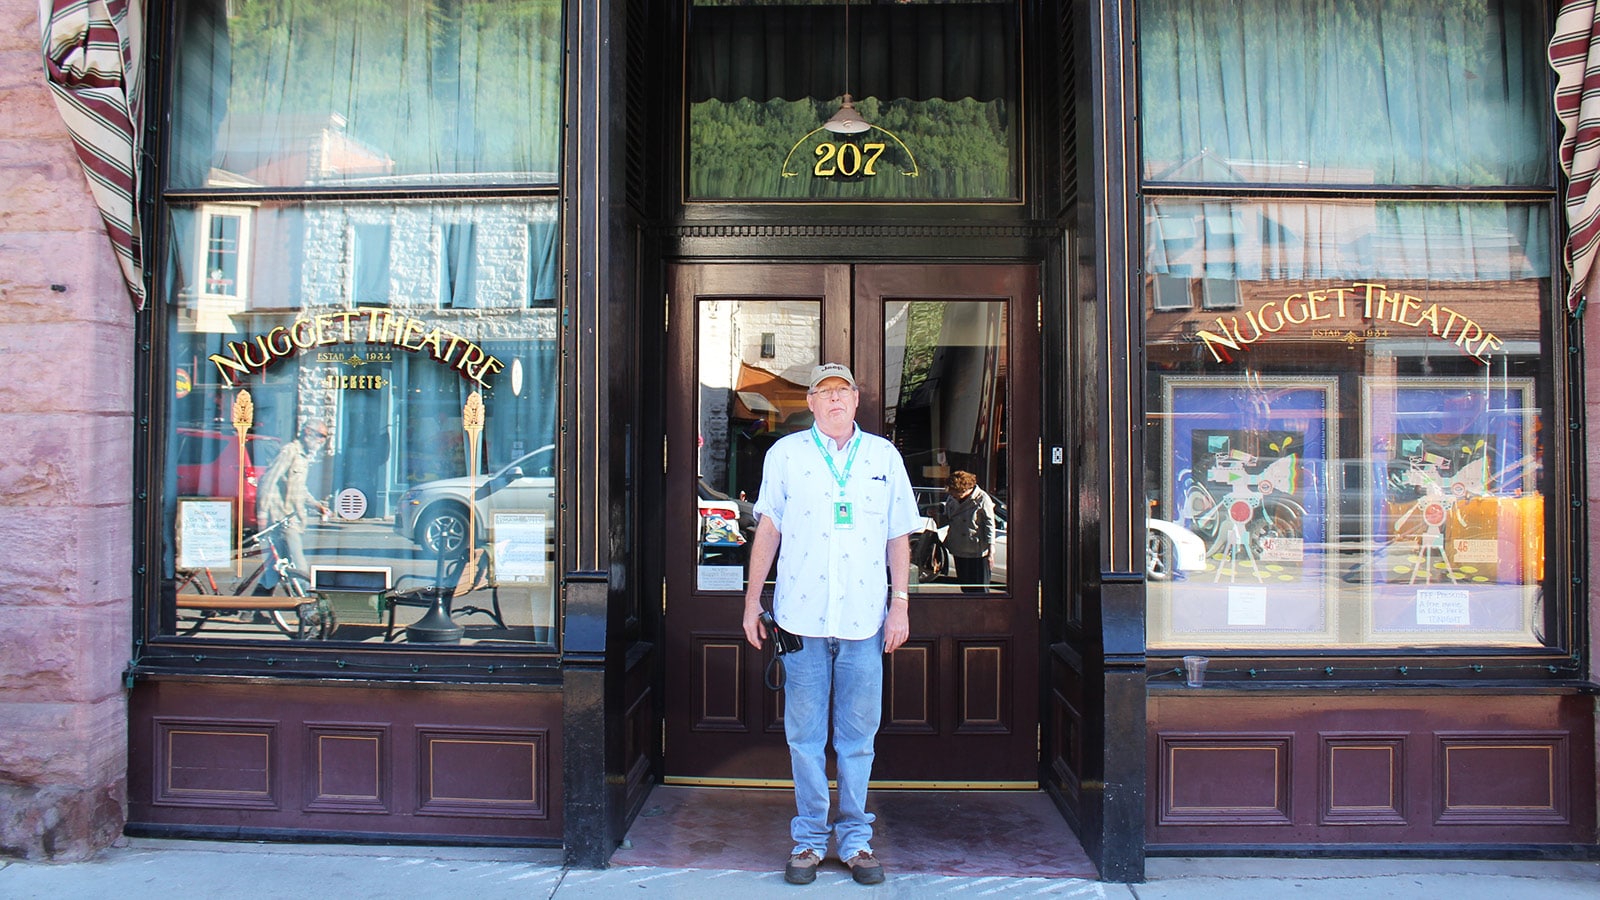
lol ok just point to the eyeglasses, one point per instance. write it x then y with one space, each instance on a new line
833 393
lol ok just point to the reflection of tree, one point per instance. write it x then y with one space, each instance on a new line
925 323
962 148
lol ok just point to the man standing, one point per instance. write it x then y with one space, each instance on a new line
835 506
282 494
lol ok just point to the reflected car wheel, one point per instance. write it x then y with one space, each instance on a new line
444 532
1160 556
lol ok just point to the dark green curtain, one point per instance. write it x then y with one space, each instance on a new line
915 52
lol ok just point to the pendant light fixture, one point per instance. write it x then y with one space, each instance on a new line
846 120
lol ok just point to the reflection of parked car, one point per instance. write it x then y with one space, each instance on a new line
434 513
1171 549
208 465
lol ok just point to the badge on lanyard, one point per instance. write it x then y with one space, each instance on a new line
843 515
843 510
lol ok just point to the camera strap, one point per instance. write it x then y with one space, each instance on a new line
774 674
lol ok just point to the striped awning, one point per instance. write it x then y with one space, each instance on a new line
93 59
1575 55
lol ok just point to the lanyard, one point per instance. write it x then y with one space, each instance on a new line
855 444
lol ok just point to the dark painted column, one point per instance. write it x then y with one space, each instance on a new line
1122 723
1117 476
586 747
591 655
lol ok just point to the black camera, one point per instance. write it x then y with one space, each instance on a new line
786 642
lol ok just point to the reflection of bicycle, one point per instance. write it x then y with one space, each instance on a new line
314 617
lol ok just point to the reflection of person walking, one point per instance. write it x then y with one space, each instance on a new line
282 494
834 503
970 514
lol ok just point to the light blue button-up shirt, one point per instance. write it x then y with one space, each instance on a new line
834 582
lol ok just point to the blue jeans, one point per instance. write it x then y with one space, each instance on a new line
290 543
851 674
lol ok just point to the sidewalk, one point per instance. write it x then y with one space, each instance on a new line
147 869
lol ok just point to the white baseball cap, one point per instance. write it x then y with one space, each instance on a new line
831 370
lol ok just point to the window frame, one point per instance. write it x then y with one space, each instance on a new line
1563 659
163 652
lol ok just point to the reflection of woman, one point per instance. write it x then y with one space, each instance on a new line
969 513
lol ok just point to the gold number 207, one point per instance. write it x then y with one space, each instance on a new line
847 159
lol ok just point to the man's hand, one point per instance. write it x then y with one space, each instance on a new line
897 627
754 631
763 550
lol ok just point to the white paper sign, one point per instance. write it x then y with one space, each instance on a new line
1283 549
1469 550
205 534
1247 605
1442 607
719 578
519 548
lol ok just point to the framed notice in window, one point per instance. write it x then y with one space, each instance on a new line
1454 510
205 534
1245 468
520 552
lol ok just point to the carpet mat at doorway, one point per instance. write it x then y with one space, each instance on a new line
968 833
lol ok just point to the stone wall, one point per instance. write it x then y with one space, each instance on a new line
66 346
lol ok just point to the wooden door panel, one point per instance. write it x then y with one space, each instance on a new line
719 700
911 679
975 655
983 687
722 723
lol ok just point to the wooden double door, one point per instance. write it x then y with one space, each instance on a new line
947 357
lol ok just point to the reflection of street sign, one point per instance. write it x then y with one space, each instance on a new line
351 503
181 383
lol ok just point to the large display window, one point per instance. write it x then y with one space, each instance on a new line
1356 437
361 386
1351 367
337 466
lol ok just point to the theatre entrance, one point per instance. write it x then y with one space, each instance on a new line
948 361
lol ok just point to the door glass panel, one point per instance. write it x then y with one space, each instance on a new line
755 359
945 405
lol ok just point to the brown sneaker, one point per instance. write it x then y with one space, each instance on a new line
802 867
865 868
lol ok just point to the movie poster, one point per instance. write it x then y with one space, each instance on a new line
1246 470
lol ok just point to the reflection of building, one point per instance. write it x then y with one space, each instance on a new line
544 211
323 151
479 268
